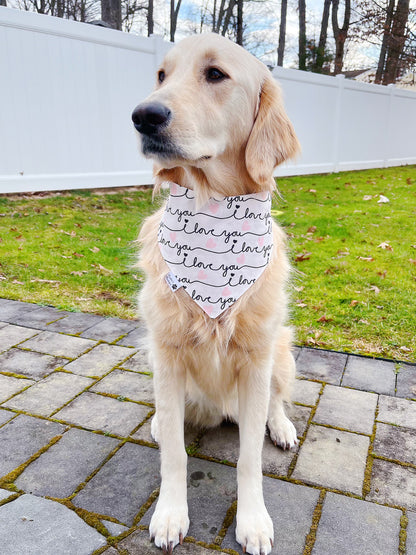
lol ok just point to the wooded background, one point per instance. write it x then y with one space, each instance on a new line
384 29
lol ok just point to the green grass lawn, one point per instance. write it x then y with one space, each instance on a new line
354 279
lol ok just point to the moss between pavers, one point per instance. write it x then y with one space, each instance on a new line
229 517
316 517
404 521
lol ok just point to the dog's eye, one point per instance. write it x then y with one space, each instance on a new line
215 74
161 76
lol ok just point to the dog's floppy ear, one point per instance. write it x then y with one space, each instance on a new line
272 139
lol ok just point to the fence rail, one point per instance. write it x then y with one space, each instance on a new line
67 91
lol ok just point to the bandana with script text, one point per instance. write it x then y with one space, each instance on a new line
218 251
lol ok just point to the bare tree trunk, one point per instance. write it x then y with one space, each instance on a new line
240 22
320 57
340 33
150 18
384 45
302 34
111 13
396 42
282 33
227 16
174 11
3 3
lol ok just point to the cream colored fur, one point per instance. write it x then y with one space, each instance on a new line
239 365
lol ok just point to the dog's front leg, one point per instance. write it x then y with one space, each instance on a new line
170 521
254 525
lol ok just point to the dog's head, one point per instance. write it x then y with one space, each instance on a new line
215 105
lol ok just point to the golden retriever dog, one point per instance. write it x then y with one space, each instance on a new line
216 129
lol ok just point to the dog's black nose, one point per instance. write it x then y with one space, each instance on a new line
150 118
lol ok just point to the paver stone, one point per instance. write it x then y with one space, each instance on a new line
21 438
9 386
347 408
58 344
34 526
96 412
11 335
48 395
393 484
370 375
356 527
321 365
291 509
123 484
29 363
400 412
99 360
333 459
59 471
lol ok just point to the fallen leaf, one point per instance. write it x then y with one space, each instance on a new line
80 273
375 289
366 258
363 322
324 319
312 229
95 249
18 282
412 261
303 256
384 245
77 255
300 303
367 197
405 349
354 302
104 270
299 289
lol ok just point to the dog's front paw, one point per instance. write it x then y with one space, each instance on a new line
255 531
169 525
282 432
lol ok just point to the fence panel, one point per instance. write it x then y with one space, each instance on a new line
68 89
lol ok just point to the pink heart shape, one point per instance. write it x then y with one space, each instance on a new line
208 309
172 236
246 226
213 207
173 189
202 274
260 241
211 244
241 259
226 292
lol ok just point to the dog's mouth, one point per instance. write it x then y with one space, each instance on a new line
155 146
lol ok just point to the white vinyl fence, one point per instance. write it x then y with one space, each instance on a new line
67 91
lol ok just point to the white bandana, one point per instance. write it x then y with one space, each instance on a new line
217 252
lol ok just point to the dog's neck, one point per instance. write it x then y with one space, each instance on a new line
224 176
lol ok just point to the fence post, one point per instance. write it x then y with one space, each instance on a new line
337 121
387 142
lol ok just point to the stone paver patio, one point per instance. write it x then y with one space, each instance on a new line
79 472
